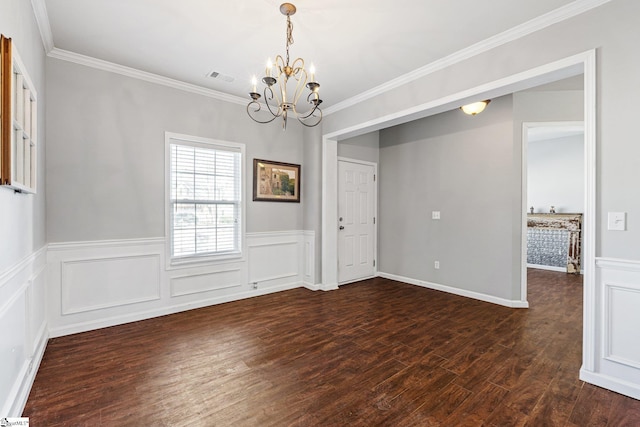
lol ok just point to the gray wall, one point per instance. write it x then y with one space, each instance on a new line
105 171
555 174
463 167
613 30
22 217
364 147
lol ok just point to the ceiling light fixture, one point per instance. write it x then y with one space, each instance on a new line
475 108
280 102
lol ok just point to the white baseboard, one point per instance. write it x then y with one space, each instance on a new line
346 282
311 286
457 291
550 268
141 288
610 383
329 287
28 375
177 308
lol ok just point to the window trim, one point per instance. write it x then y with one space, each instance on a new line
196 141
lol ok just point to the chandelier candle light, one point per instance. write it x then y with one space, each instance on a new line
279 102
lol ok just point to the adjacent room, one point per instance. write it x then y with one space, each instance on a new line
403 218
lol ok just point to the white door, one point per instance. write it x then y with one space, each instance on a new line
356 221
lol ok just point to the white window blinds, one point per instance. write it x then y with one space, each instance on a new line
205 200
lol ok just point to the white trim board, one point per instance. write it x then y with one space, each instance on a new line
558 15
173 290
611 383
457 291
111 67
149 314
550 268
21 390
561 14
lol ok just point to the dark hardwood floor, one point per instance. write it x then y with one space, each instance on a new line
374 353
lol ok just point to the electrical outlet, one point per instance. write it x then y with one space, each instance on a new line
435 215
436 265
255 285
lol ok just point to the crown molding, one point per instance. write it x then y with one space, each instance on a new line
561 14
42 19
111 67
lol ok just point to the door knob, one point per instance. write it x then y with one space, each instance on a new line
342 227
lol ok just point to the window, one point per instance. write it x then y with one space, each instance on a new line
18 122
205 212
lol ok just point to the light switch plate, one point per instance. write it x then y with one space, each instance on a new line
617 221
435 215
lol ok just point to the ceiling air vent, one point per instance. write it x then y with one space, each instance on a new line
222 77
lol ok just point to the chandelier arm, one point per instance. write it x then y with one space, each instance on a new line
280 65
251 112
301 120
300 74
269 97
304 116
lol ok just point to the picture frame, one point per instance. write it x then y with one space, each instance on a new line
275 181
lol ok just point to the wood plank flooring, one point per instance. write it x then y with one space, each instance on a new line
374 353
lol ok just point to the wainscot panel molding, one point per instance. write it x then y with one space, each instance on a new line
205 282
309 262
104 283
276 259
98 283
617 335
23 329
457 291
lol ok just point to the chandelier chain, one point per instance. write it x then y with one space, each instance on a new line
289 36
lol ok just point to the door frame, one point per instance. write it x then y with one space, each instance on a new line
375 208
581 63
526 126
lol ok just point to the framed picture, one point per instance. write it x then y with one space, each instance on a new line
275 181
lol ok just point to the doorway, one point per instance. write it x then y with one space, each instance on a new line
357 207
584 63
553 181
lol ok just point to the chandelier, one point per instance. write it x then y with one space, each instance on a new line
281 76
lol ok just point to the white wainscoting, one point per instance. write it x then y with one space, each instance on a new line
99 284
94 284
617 329
23 328
309 261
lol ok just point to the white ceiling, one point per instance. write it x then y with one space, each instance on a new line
355 45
